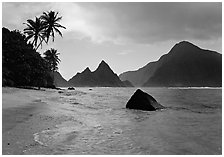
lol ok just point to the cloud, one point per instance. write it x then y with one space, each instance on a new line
152 22
125 52
121 23
143 22
84 20
14 14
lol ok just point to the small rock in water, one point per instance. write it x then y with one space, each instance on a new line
71 88
118 131
143 101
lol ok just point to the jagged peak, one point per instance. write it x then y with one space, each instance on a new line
87 70
103 66
103 62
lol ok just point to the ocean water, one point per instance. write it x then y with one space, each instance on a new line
99 123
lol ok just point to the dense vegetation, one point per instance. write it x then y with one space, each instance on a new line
22 65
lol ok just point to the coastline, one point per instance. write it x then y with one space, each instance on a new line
25 112
84 121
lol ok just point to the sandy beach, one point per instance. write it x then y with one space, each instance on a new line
26 112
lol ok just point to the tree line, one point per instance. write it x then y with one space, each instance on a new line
22 64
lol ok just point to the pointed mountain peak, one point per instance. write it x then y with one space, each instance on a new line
103 62
103 66
87 70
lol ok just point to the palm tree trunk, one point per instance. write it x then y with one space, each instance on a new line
53 78
53 84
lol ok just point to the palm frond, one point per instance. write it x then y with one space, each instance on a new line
58 25
29 36
57 30
58 19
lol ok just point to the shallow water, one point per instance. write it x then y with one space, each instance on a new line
99 123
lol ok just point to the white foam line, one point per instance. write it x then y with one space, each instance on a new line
37 139
194 87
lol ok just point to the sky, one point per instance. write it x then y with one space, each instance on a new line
126 35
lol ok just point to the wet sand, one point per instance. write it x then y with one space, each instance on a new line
26 112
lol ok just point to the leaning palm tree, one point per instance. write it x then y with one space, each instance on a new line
35 32
51 56
51 25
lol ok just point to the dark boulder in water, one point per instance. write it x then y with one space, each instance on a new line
143 101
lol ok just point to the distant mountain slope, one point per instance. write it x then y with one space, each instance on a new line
103 76
127 83
83 79
188 65
185 65
59 81
140 76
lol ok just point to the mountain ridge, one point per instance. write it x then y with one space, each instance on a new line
103 76
184 65
59 81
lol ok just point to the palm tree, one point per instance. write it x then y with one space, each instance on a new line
51 56
35 31
50 21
